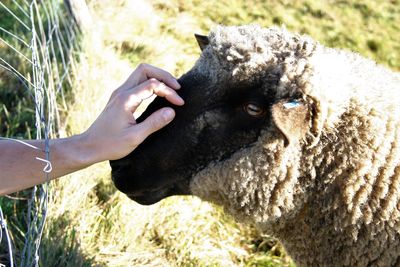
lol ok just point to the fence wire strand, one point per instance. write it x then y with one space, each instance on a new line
44 37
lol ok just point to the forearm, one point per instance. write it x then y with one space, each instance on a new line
20 168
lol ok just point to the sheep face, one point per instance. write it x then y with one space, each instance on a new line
208 128
237 139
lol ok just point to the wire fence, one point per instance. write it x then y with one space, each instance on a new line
37 44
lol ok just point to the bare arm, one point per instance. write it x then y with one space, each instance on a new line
113 135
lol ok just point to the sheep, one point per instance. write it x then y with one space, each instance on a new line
296 138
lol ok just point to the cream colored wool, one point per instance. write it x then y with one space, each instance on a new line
332 198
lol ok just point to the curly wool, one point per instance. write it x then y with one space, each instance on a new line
333 199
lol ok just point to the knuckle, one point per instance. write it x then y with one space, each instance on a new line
152 82
114 94
133 97
157 123
142 66
121 97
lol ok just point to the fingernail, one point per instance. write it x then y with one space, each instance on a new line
176 84
181 100
168 114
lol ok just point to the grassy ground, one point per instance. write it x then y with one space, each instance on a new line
90 224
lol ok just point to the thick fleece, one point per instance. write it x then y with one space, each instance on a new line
331 192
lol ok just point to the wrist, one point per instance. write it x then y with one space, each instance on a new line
88 149
74 152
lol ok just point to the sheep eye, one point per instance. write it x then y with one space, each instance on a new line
254 110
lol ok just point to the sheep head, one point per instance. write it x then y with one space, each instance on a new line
238 139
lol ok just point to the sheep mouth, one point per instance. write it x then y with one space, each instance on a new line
147 189
150 197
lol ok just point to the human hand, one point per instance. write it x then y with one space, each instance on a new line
115 132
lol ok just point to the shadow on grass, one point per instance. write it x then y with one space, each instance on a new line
59 246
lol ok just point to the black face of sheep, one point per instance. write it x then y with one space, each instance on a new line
206 129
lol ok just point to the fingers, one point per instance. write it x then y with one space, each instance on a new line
151 124
147 89
145 72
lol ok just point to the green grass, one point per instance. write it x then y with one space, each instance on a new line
367 27
90 223
17 115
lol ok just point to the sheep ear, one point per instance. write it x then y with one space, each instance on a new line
292 118
202 40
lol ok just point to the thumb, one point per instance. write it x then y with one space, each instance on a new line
153 123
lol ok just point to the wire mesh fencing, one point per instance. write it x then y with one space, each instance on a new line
37 44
